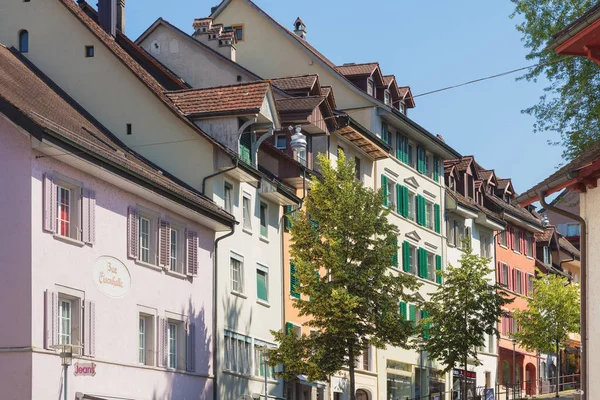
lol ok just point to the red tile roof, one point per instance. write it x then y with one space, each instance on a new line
545 236
388 79
568 247
299 103
302 82
36 100
350 70
503 183
235 99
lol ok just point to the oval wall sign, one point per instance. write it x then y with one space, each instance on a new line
111 277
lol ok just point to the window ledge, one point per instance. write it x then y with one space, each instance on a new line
517 252
503 246
238 294
68 240
248 231
148 265
263 303
529 257
175 274
295 298
264 239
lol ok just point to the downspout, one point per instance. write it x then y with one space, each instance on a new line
282 225
215 305
235 165
584 283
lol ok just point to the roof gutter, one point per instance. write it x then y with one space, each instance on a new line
583 265
574 28
561 182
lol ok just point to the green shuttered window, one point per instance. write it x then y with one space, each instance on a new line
438 218
402 200
395 256
406 256
403 311
294 285
384 187
438 267
412 313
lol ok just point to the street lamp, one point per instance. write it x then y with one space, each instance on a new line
67 352
266 357
514 367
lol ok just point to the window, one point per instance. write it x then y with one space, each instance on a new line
145 229
68 210
504 276
430 267
502 238
294 284
547 255
485 246
517 241
262 283
64 211
399 380
530 279
412 206
264 212
428 168
529 244
386 97
370 87
145 339
174 249
411 160
450 232
491 343
89 51
429 214
237 273
239 32
237 353
301 157
366 357
281 142
402 108
128 126
357 168
412 258
385 132
227 197
24 41
573 230
172 346
259 361
519 283
247 209
142 340
391 193
65 317
451 183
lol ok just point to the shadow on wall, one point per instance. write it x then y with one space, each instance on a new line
194 385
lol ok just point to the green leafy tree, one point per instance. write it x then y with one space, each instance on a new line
343 248
553 312
570 104
463 310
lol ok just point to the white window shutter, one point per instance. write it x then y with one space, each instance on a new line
89 216
162 342
133 233
190 359
50 205
192 253
164 243
89 329
51 319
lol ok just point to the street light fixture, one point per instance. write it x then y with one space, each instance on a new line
266 357
67 352
514 341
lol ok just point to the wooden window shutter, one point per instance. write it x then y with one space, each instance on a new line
294 282
289 328
49 200
88 225
422 264
162 342
499 269
89 328
406 256
419 211
525 284
133 232
399 147
395 256
164 243
399 200
50 319
438 218
190 359
403 310
384 188
192 242
287 210
438 267
436 169
405 201
412 313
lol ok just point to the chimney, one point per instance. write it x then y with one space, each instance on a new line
107 16
121 15
300 28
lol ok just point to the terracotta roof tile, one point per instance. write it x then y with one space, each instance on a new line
503 183
470 203
303 82
568 246
485 174
235 99
388 79
357 69
515 209
545 236
299 103
36 100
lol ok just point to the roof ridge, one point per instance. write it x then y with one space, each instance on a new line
295 76
357 64
265 82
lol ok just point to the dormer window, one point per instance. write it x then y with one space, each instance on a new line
402 108
370 87
451 183
386 97
507 197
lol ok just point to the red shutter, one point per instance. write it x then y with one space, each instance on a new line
50 319
511 239
164 243
190 360
89 216
89 328
49 206
509 284
499 269
192 253
525 282
133 232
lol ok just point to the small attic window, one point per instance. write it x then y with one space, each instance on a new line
24 41
386 97
89 51
402 108
370 87
239 32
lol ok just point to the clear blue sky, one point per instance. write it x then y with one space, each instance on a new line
427 45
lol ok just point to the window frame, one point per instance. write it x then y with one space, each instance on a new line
61 319
236 361
280 136
391 193
517 243
412 206
264 269
247 209
264 225
370 87
429 215
23 41
89 51
518 281
236 28
228 197
386 97
148 249
239 289
412 258
150 332
505 275
75 207
173 339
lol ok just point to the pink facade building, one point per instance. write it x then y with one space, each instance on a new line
104 251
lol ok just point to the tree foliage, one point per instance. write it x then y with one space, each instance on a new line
463 310
553 312
570 104
342 248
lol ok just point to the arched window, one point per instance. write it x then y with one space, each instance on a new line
506 373
23 41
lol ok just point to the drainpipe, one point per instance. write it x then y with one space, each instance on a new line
215 305
584 283
235 165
